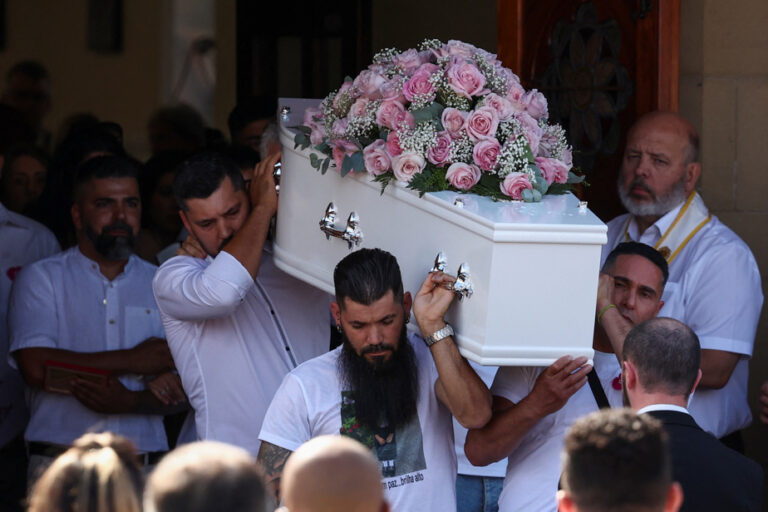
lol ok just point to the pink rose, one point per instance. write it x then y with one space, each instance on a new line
465 79
419 85
567 158
313 115
502 106
393 90
393 144
393 115
409 60
460 49
463 176
486 153
533 132
407 165
535 104
342 148
358 107
368 83
339 127
317 135
454 121
377 160
553 170
482 123
515 96
440 153
514 184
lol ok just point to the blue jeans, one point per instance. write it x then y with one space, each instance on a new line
478 493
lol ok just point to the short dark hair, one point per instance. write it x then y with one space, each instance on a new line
106 166
248 111
21 150
367 275
639 249
202 174
666 354
615 460
31 68
244 156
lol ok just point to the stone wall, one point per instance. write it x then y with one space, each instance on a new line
724 92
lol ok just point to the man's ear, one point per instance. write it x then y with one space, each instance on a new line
674 498
696 382
565 502
661 305
336 312
629 374
185 220
77 219
407 303
691 175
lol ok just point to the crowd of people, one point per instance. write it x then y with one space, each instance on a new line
218 382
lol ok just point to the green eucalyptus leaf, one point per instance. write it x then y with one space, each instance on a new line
346 165
325 165
527 195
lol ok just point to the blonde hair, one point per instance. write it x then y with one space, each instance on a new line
99 473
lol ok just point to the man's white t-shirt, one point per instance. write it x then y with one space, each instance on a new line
533 469
420 470
714 287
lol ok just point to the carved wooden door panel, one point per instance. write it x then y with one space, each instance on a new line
601 64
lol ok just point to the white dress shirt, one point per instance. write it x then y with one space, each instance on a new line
22 241
714 287
234 338
65 302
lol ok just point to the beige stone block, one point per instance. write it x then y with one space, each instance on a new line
718 143
691 37
752 147
691 95
735 40
753 229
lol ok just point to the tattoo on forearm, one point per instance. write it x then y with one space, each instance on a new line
272 460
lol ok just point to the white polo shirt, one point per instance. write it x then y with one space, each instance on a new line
234 338
22 241
534 468
65 302
714 287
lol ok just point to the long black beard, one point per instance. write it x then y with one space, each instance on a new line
384 392
110 246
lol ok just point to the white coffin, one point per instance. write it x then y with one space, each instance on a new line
534 266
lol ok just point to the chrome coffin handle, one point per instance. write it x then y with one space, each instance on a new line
463 284
351 233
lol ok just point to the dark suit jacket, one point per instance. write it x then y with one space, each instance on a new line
713 476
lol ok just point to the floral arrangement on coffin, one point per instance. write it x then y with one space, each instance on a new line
443 117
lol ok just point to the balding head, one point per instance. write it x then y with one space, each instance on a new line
332 473
671 122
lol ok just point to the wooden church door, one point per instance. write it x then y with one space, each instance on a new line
601 64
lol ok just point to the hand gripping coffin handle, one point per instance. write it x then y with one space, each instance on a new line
463 284
351 233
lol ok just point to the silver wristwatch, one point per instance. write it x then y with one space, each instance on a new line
439 335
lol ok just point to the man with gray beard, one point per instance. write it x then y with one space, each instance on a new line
714 284
84 328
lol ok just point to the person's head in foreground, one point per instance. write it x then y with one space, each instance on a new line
207 476
99 473
617 461
661 363
377 360
330 474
